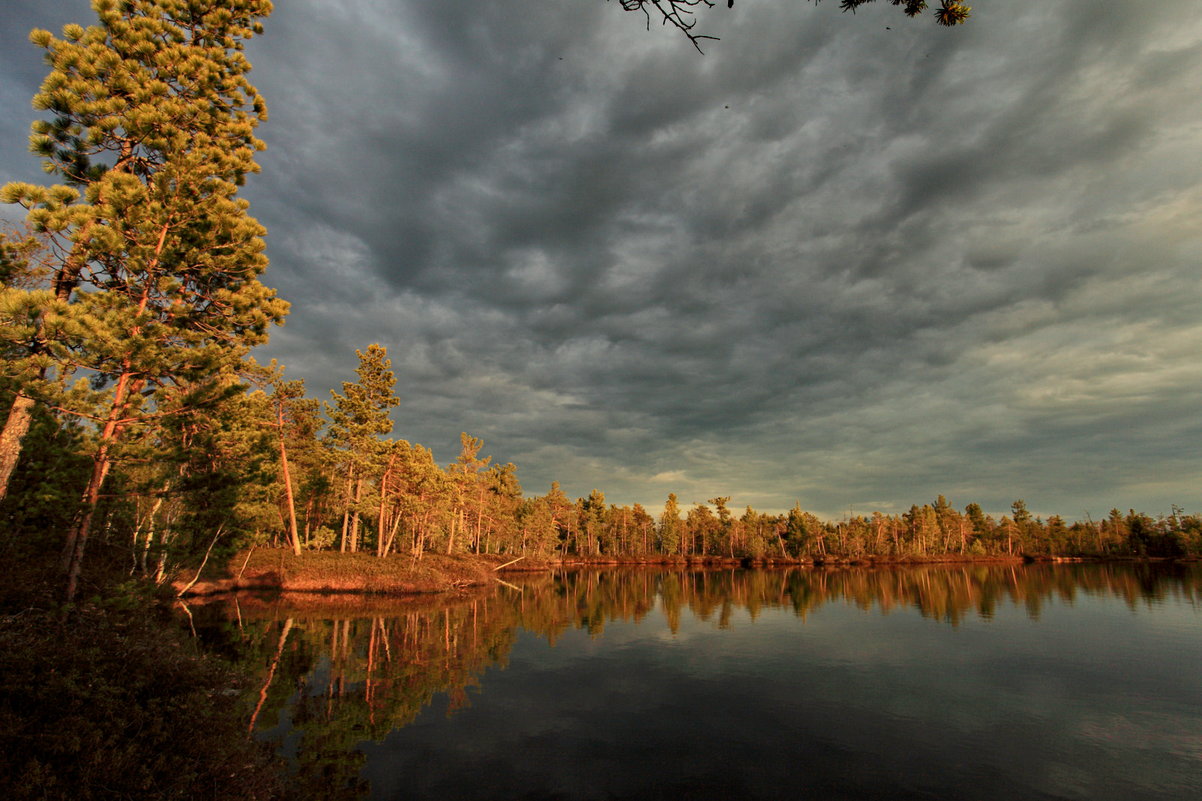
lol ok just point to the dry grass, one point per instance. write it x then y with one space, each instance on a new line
330 572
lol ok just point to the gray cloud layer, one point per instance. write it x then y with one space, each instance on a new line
851 261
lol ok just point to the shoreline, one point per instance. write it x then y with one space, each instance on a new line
324 573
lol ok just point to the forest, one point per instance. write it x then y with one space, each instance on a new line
138 421
141 438
267 465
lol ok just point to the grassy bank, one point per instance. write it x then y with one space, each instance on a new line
329 572
279 570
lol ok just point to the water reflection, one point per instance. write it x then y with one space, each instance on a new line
335 673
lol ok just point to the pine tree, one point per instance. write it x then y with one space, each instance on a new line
467 487
152 129
798 531
669 526
21 307
286 396
537 526
644 525
504 500
220 468
593 515
563 516
725 535
358 417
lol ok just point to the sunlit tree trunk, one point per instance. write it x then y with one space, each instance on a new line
77 537
381 519
16 426
293 532
144 551
346 512
479 514
355 515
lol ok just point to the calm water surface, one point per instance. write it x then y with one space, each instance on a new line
1068 682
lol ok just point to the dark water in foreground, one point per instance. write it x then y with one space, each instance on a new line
1066 682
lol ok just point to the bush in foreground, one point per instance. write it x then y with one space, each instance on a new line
113 702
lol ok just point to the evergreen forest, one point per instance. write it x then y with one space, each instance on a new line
141 439
138 426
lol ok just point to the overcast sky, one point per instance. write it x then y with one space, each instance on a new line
849 260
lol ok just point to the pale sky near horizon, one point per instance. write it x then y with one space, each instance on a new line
853 261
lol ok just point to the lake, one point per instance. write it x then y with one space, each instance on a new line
936 682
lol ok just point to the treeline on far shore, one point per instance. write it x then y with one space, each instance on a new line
270 466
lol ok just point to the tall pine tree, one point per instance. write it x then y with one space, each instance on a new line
151 127
358 417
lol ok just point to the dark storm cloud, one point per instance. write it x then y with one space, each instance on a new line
21 72
828 261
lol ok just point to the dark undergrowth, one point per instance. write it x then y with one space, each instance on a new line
111 700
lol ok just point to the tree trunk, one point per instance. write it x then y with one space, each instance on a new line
127 385
293 533
420 545
145 549
396 526
15 429
355 516
479 515
309 522
77 537
451 536
381 523
346 512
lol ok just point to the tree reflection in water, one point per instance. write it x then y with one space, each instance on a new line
334 672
